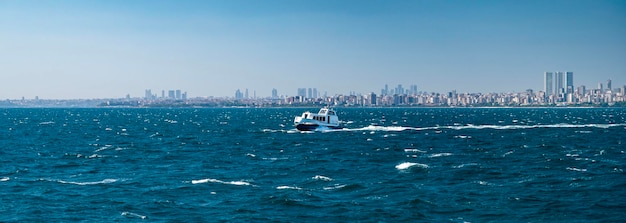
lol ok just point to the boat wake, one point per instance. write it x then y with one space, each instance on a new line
464 127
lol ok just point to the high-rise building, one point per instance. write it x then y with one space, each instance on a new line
310 95
399 89
548 83
247 95
274 93
582 90
372 98
569 82
558 87
609 85
413 90
238 94
148 95
179 94
302 92
171 94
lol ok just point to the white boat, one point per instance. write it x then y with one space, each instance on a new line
326 117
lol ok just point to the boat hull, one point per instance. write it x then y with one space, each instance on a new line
307 127
313 127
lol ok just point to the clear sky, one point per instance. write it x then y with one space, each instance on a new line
106 49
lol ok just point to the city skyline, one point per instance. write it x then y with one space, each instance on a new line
108 49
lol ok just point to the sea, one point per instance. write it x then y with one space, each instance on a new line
252 165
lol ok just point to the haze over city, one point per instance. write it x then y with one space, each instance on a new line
108 49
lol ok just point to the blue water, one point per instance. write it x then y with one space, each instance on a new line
386 165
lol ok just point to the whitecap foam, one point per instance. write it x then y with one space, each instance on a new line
288 188
105 181
131 214
209 180
335 187
440 155
322 178
508 153
46 123
484 183
576 169
407 165
105 147
466 164
3 179
413 151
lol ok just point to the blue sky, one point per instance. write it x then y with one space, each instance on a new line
107 49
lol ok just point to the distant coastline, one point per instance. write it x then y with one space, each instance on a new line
231 103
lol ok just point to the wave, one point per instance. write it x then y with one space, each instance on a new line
288 187
408 165
407 150
131 214
440 155
105 181
466 164
4 179
335 187
576 169
322 178
209 180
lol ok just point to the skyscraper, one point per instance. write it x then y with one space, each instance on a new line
548 83
274 93
302 92
413 90
238 94
148 94
569 82
559 82
372 98
399 89
609 86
